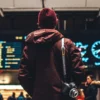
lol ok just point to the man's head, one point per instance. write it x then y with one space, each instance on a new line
47 18
89 79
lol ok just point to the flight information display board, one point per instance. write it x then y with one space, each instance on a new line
89 46
90 52
11 48
10 54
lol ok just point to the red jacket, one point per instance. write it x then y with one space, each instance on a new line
41 72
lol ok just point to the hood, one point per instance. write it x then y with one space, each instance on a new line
43 36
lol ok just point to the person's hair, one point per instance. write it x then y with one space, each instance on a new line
47 18
13 94
21 93
91 76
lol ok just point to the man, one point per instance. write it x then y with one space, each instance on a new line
12 97
1 96
41 71
28 97
90 89
21 96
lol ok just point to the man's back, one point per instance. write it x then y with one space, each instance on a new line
20 98
11 98
41 72
44 52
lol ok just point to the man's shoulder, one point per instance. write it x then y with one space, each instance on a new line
68 41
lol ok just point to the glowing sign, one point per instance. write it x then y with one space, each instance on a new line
83 49
10 54
93 55
95 49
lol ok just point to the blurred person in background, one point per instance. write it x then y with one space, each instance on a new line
41 69
90 90
27 97
1 96
21 96
12 97
81 95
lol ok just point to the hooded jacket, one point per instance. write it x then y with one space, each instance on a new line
41 72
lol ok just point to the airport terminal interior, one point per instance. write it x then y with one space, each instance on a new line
79 21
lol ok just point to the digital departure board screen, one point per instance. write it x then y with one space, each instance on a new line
11 47
10 54
90 52
89 46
